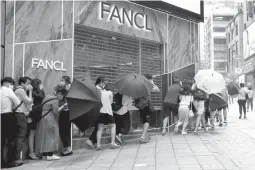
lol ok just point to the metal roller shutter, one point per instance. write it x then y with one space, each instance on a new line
98 52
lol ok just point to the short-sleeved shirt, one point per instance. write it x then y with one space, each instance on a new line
173 94
106 99
242 93
8 100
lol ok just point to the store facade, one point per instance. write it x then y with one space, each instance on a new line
49 39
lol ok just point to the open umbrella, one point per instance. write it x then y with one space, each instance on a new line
134 85
83 99
233 88
217 101
210 81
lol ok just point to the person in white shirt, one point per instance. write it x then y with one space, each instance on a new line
250 99
106 116
22 112
9 101
242 98
186 99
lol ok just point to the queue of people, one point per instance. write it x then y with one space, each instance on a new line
28 111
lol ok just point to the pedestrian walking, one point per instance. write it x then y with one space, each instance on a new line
106 117
47 132
121 115
22 112
250 100
92 141
185 106
242 98
8 123
38 95
199 103
171 103
64 119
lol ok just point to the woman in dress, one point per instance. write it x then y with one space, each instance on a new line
186 99
38 96
47 132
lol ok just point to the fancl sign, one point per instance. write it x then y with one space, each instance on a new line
45 64
123 16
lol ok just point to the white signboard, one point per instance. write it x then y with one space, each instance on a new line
249 41
190 5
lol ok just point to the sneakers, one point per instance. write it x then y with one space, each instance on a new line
118 138
115 146
33 156
52 158
221 124
143 140
90 144
184 133
245 117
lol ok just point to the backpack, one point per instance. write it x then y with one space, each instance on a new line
36 112
117 102
142 102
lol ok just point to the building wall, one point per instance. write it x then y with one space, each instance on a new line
44 30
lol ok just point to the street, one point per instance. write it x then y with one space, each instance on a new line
229 147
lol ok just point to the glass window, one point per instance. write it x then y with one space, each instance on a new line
236 30
218 29
219 41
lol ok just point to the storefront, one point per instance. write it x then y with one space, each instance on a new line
47 40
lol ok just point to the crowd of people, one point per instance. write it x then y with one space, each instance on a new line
27 111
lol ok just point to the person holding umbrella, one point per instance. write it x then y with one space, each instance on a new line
106 116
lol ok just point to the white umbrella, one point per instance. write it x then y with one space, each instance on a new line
210 81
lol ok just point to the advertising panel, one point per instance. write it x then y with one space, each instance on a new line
249 41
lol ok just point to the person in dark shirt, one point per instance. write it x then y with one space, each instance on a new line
38 95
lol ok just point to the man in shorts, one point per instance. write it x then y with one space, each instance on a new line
171 103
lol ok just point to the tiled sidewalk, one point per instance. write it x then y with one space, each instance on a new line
229 147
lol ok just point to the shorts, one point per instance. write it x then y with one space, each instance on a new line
106 119
145 115
32 125
168 108
200 106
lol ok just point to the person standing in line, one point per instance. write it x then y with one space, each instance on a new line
199 103
207 110
242 97
22 112
8 122
146 112
47 131
250 99
64 121
185 105
171 103
106 116
91 142
38 95
223 110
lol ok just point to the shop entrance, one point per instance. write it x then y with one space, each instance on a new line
98 52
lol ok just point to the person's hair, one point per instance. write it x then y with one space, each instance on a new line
67 79
22 80
7 80
249 88
28 78
61 89
186 90
148 76
100 79
109 87
36 84
241 84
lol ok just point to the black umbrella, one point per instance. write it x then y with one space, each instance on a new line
217 101
84 102
233 88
